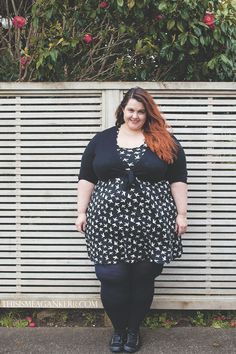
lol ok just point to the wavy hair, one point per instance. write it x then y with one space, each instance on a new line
157 137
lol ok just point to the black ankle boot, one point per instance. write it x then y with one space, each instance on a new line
117 342
133 342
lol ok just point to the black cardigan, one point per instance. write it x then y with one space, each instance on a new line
101 161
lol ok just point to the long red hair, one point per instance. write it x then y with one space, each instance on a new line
157 137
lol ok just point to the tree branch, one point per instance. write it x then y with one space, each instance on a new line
14 7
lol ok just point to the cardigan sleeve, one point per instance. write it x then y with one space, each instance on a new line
177 171
86 167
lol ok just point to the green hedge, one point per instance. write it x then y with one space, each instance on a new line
120 40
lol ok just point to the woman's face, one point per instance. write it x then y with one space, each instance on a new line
134 114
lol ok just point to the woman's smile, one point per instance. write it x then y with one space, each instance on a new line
134 114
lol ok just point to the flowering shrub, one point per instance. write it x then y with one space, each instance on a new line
144 40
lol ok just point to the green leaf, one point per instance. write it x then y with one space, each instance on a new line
138 44
224 27
225 60
48 14
197 31
183 38
211 63
202 40
120 2
216 34
64 44
131 3
163 51
60 40
170 24
193 40
122 29
39 63
162 6
184 14
180 26
203 24
54 54
207 40
169 56
36 23
74 42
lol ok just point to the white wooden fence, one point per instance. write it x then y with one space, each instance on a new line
44 129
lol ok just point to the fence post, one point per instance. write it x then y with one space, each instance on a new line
110 101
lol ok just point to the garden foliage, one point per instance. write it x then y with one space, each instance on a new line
119 40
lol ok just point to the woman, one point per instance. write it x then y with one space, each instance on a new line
132 201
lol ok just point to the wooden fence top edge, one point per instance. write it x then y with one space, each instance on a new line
118 85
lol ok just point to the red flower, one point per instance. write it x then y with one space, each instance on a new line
24 61
233 323
88 38
32 324
209 20
159 17
18 21
103 4
29 319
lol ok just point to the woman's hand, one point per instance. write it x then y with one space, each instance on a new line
181 224
81 222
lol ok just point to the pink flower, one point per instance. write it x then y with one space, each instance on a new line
18 21
88 38
103 4
24 61
209 20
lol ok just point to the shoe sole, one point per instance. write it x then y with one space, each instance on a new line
129 350
118 350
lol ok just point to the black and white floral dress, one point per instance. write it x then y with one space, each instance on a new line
132 225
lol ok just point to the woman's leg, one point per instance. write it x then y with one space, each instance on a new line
142 277
115 292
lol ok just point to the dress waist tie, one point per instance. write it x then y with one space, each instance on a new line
130 180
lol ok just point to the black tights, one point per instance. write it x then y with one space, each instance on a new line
127 291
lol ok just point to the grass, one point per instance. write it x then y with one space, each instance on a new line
13 319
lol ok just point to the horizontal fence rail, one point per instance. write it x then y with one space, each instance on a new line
44 128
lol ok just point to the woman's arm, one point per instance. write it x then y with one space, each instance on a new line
85 189
179 193
87 180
